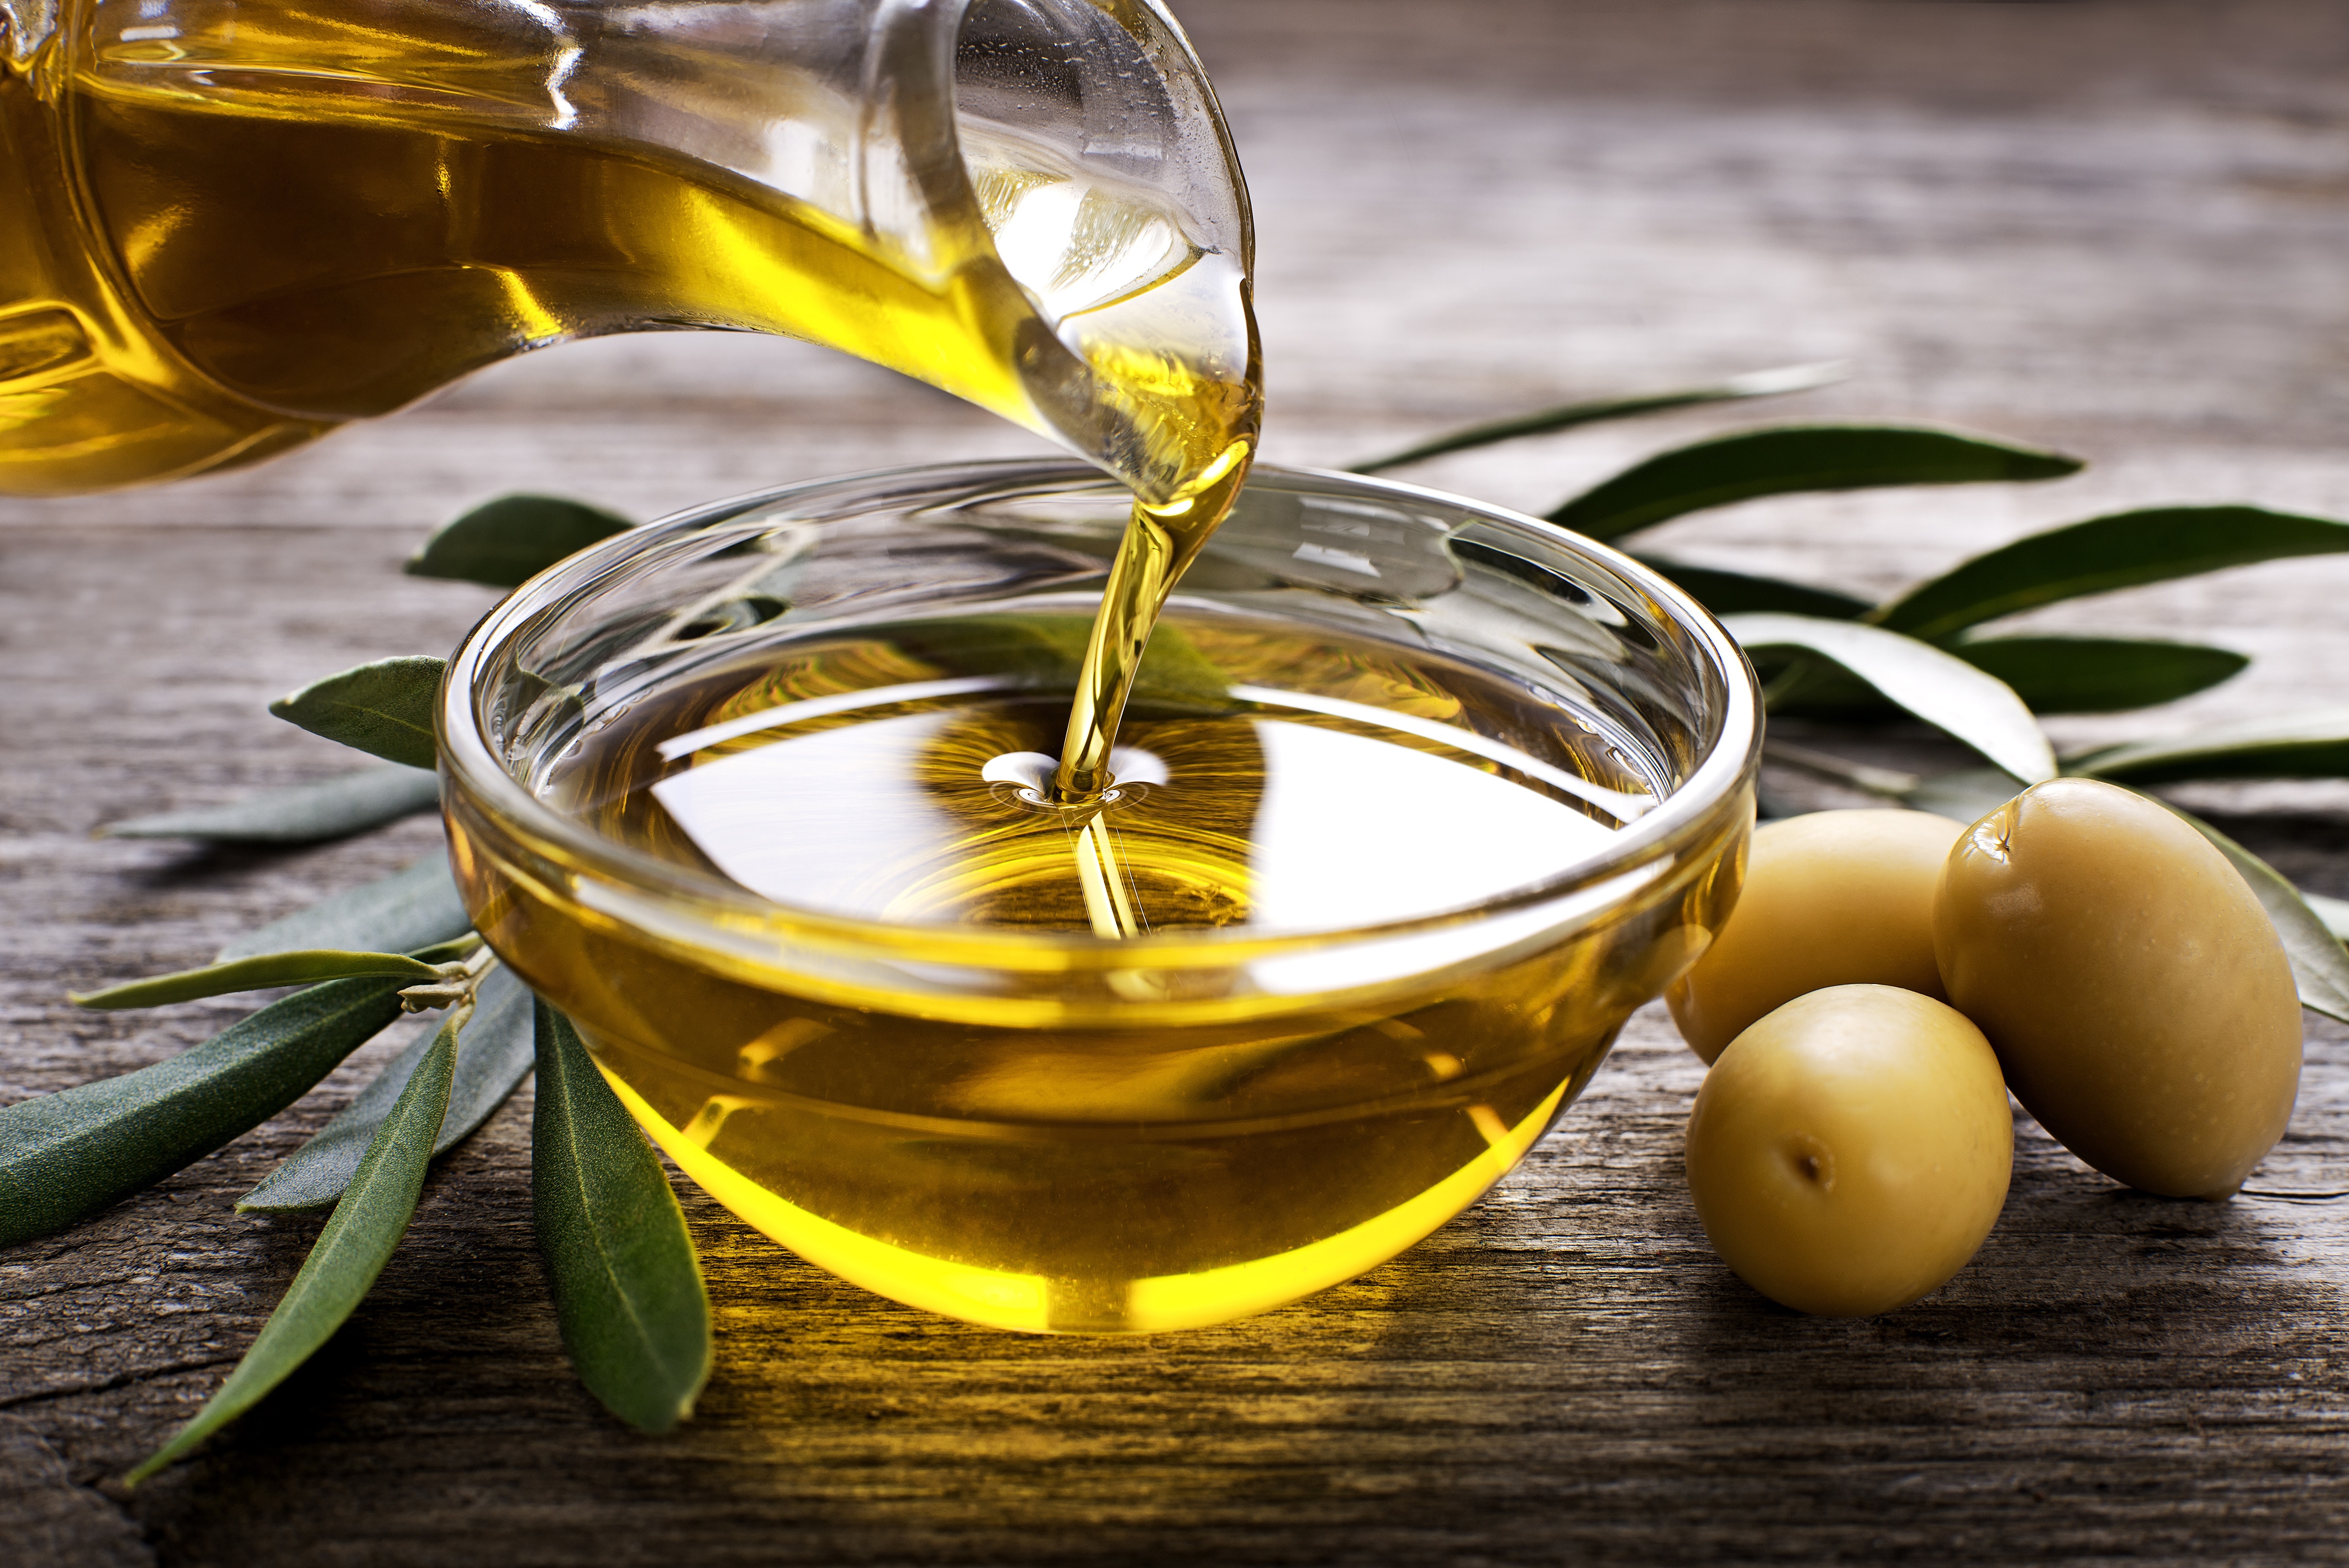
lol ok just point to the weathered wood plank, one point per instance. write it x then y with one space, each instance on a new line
2115 225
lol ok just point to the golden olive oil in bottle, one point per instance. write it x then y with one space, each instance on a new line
225 230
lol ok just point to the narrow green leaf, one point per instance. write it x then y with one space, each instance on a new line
1801 686
69 1154
1566 416
506 542
349 1253
2334 912
2312 744
1175 673
1794 459
627 1287
306 814
384 708
2099 674
1968 795
2319 967
396 914
2102 554
256 975
2050 674
493 1056
1943 690
1738 593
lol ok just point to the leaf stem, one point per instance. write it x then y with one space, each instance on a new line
455 987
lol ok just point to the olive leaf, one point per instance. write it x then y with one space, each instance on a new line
384 708
1792 459
1566 416
2099 674
2050 674
395 914
1968 795
2332 913
348 1255
2122 550
66 1155
2320 965
627 1288
1175 673
1740 593
1943 690
258 973
306 814
506 542
493 1056
2310 745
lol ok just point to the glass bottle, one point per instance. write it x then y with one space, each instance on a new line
227 226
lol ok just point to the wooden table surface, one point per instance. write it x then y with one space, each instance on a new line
2115 226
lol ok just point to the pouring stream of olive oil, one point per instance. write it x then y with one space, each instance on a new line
192 280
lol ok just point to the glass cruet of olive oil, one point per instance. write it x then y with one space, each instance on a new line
227 226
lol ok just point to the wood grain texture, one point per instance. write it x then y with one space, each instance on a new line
2116 226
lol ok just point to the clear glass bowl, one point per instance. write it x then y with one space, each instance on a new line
1049 1129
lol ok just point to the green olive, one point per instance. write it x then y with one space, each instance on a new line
1836 897
1849 1153
2131 986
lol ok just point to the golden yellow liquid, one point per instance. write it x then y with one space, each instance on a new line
1082 1146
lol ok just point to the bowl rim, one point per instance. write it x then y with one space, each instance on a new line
468 767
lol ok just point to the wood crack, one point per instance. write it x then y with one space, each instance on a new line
108 1385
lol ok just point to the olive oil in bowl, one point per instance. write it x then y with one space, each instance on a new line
1391 839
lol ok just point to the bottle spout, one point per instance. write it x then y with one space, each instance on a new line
1107 181
1055 173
